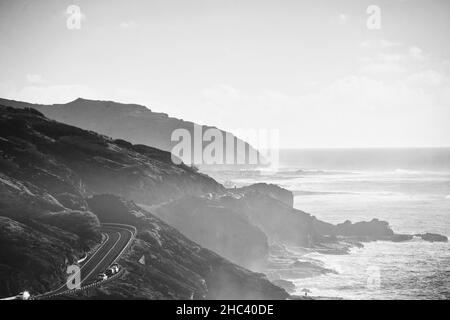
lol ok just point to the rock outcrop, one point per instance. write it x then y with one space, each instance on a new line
67 161
33 256
219 228
58 182
432 237
51 175
175 267
374 229
271 190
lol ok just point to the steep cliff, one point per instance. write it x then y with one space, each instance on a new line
50 213
219 228
131 122
270 209
174 267
272 190
66 160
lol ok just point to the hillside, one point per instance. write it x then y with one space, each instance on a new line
174 267
52 176
131 122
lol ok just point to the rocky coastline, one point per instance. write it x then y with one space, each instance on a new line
204 241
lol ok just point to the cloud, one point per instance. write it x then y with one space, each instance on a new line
63 93
34 78
128 25
416 53
436 83
397 98
427 78
219 92
356 110
380 67
390 57
379 44
49 94
383 63
340 19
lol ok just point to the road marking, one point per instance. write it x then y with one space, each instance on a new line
117 226
93 255
104 257
124 248
96 252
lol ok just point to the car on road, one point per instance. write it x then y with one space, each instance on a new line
113 269
102 277
25 295
109 272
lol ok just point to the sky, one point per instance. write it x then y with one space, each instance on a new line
313 70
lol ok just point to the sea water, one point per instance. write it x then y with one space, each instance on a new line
409 188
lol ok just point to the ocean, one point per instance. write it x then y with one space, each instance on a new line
409 188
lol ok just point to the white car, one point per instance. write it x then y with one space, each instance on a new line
112 270
25 295
102 277
115 267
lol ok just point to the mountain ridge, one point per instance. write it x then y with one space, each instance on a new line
131 122
49 171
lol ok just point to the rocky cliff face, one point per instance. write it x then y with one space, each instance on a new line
70 161
51 175
240 224
269 207
134 123
175 267
280 222
271 190
45 221
219 228
33 255
49 214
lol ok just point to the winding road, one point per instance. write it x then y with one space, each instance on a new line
117 239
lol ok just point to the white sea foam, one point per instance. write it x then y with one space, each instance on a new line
402 200
410 200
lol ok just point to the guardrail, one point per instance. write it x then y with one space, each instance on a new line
97 283
42 295
94 284
133 235
83 288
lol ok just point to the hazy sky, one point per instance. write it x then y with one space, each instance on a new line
311 69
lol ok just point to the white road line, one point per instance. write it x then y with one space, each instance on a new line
116 225
93 255
104 257
126 247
